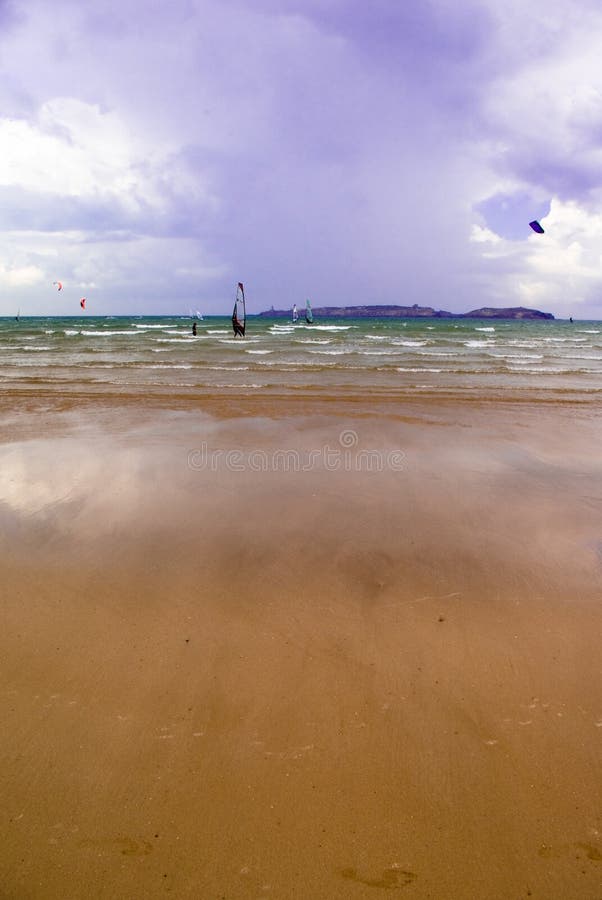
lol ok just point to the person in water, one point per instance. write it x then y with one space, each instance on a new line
194 328
238 328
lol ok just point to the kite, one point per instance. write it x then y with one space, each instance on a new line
82 303
536 227
59 285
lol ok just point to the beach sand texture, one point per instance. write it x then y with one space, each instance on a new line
293 673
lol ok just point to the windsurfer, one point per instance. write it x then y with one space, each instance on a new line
238 329
238 326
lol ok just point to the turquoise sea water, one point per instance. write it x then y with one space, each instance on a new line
157 354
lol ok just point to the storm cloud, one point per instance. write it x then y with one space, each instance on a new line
354 153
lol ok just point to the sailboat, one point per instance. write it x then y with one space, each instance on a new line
295 313
309 316
239 314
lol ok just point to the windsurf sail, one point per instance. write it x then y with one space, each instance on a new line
239 316
82 303
295 313
309 316
199 316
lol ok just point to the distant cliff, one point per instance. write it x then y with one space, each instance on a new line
405 312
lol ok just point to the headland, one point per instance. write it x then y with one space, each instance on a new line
415 311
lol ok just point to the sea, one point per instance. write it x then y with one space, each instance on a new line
554 360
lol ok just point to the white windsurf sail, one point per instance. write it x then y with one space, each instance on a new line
239 314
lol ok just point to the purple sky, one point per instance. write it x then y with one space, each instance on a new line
152 155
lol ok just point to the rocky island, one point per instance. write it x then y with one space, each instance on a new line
415 311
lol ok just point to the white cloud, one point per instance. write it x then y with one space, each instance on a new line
20 276
74 149
557 271
481 235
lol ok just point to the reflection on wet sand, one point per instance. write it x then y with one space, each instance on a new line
239 678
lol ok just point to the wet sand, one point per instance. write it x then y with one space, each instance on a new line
353 654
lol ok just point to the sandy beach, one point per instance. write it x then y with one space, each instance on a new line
340 652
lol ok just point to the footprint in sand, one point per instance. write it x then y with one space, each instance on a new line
391 879
125 845
548 852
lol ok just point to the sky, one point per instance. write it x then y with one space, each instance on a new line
154 154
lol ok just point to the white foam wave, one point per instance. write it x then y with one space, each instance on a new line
330 352
106 333
404 369
378 352
166 366
556 340
241 385
333 327
518 356
544 370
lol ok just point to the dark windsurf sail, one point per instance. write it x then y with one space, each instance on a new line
309 316
239 316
